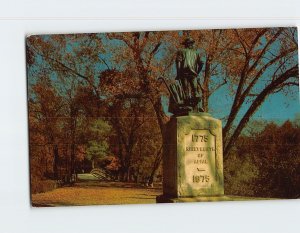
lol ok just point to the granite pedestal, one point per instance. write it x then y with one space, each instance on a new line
193 158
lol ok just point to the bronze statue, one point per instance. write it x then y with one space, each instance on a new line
188 65
184 93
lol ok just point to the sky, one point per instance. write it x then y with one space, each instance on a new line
277 107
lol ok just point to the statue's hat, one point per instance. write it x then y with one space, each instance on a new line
188 40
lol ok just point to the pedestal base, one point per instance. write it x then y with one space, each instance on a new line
193 157
166 199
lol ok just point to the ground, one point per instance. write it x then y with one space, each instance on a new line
89 191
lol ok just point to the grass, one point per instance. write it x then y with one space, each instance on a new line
93 192
96 193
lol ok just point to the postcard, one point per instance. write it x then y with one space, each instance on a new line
163 116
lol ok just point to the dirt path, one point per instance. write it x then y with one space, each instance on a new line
97 193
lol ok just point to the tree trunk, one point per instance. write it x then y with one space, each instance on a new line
55 162
72 170
93 163
205 86
156 164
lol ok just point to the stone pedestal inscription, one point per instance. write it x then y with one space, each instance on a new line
200 159
193 157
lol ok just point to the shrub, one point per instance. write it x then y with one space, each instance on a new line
40 186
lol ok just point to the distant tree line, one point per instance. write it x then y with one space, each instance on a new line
266 163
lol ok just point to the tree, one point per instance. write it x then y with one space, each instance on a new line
97 146
135 132
251 63
264 70
45 110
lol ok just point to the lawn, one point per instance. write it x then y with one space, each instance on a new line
93 192
97 193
